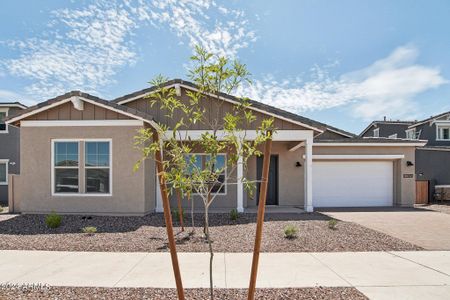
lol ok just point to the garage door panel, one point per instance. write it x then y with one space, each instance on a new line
350 183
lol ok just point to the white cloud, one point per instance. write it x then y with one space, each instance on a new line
85 47
386 87
10 96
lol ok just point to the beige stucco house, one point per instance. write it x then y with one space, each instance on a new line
77 156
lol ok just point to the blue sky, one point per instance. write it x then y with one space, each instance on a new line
344 63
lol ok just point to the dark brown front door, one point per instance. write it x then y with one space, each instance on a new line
272 188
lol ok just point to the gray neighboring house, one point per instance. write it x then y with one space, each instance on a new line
433 159
9 147
387 129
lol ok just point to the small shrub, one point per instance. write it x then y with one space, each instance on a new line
332 224
53 220
290 232
89 230
176 214
1 208
234 215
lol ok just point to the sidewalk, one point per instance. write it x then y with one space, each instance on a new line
379 275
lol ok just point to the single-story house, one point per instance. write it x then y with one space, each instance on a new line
77 156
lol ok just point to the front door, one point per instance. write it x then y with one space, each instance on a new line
272 188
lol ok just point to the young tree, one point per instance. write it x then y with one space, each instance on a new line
210 172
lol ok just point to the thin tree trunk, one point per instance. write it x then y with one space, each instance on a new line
260 218
180 210
192 211
168 219
211 253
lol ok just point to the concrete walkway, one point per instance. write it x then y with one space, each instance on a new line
379 275
428 229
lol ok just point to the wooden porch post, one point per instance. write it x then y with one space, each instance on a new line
168 218
260 217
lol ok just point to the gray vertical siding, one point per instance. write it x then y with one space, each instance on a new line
9 149
434 165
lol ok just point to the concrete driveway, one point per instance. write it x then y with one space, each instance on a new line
424 228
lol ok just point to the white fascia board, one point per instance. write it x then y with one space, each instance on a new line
176 85
13 105
357 157
412 144
81 123
280 136
36 111
133 116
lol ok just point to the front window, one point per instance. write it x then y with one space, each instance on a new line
97 167
66 164
202 161
88 174
444 133
3 115
3 172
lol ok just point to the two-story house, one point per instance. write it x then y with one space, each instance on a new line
9 147
433 159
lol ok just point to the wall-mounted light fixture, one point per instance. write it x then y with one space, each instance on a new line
298 164
409 163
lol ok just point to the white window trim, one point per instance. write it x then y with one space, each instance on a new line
411 130
442 126
80 193
226 172
6 162
393 136
376 132
5 110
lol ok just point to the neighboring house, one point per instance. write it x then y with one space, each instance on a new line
432 160
9 147
388 129
77 156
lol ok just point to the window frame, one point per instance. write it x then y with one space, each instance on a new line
6 162
225 171
109 167
414 134
440 127
377 131
6 111
81 168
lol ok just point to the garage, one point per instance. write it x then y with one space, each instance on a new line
353 183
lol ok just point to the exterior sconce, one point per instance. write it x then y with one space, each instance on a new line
298 164
409 163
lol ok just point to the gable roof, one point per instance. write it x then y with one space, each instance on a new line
13 104
429 119
128 111
374 123
255 105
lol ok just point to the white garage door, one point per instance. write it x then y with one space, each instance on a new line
353 183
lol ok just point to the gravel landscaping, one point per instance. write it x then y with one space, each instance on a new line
166 294
147 234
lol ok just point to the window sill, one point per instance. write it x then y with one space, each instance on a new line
80 195
3 183
441 140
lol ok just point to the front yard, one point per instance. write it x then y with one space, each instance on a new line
147 234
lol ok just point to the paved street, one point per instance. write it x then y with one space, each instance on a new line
379 275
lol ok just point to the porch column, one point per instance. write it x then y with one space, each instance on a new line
308 175
159 207
240 185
